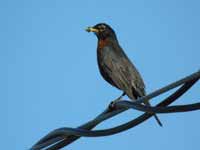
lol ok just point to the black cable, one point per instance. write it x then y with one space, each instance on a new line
64 136
150 109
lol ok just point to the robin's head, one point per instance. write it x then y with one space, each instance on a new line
102 31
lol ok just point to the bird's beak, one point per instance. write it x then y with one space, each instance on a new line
91 29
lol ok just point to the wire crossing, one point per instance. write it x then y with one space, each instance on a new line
62 137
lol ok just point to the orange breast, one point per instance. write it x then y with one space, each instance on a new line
102 43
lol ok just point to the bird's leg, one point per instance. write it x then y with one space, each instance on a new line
111 105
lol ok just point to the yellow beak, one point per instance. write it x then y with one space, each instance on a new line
91 29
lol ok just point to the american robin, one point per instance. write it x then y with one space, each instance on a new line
115 66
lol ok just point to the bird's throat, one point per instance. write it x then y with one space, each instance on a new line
102 43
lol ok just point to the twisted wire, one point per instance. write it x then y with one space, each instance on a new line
64 136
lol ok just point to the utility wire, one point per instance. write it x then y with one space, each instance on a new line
64 136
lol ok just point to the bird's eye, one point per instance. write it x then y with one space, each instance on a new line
102 28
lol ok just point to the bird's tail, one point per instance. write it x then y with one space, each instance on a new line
158 120
155 116
132 97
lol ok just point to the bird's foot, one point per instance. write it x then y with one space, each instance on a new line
112 105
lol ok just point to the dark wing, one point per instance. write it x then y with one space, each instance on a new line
120 72
137 83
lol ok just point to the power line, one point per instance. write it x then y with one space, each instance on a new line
64 136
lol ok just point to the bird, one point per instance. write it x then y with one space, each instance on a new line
115 66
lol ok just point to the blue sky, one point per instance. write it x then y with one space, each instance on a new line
49 75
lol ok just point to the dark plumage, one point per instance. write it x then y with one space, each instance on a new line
114 65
